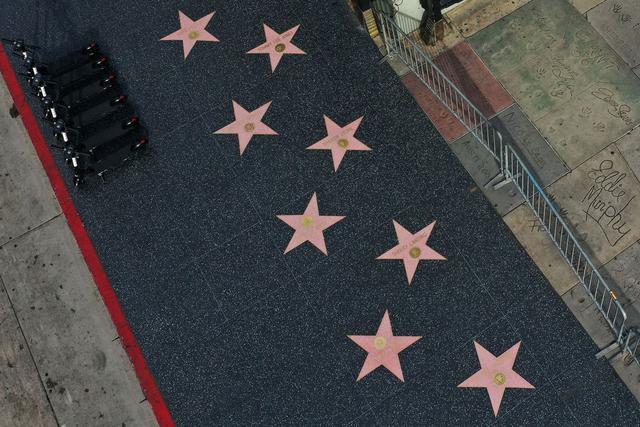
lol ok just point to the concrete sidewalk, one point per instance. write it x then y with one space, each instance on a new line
559 80
61 362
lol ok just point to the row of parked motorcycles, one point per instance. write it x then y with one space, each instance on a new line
94 125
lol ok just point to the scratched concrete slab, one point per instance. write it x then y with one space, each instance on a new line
618 21
584 5
27 198
448 126
474 15
535 87
536 241
629 146
589 316
5 98
624 271
465 69
517 130
566 78
88 376
602 199
591 120
533 30
24 401
482 167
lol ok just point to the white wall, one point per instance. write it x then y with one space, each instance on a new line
411 8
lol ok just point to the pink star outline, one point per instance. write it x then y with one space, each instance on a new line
412 248
191 32
340 140
278 45
247 124
496 374
383 349
309 226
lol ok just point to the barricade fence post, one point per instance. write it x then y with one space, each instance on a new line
631 346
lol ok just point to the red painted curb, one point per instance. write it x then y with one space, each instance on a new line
145 377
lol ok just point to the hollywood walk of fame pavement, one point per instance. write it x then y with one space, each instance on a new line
309 226
278 45
247 124
191 32
340 140
383 349
496 374
412 248
235 331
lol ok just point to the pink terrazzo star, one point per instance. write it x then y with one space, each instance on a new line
191 32
339 140
496 374
278 45
309 226
412 248
383 349
247 124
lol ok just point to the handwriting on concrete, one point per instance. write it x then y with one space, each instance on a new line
628 281
587 49
481 164
624 17
535 226
520 133
606 203
614 108
619 23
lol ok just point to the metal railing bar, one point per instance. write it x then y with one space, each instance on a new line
442 80
574 244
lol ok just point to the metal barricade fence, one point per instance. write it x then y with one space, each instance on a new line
513 168
566 242
398 43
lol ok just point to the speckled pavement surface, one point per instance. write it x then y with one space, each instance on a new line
237 333
564 76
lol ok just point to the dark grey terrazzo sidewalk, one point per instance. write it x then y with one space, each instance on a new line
237 333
